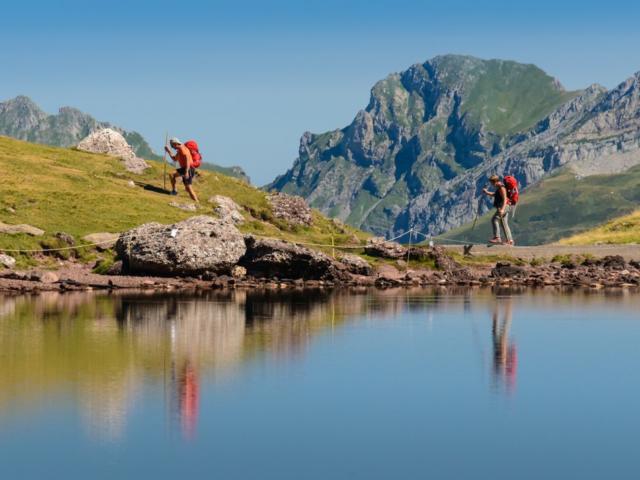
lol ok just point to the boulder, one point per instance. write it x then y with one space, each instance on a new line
379 247
102 240
356 265
116 268
194 246
238 272
227 209
282 259
109 142
614 262
442 260
291 208
65 239
22 228
189 207
388 275
7 261
506 270
44 277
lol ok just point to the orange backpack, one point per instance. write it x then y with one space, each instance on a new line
195 153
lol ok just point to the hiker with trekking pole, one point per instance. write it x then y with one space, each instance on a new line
189 158
505 195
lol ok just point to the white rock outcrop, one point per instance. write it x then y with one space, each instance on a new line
109 142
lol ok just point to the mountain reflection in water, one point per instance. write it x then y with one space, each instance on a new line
101 349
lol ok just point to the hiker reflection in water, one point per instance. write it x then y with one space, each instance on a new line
505 354
184 397
189 396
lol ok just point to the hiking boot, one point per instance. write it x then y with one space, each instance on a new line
495 240
173 192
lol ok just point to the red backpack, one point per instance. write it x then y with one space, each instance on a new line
195 153
511 184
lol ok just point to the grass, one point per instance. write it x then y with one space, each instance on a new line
564 206
64 190
624 229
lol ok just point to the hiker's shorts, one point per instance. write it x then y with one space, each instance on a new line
187 178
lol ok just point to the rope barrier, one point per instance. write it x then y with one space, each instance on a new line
310 244
331 245
107 242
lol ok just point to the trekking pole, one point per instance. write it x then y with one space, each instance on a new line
164 162
475 220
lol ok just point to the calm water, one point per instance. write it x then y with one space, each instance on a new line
393 384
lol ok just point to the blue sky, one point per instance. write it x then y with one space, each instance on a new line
247 78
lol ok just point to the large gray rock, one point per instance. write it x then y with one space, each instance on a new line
7 261
356 265
22 228
109 142
191 247
290 208
379 247
227 209
281 259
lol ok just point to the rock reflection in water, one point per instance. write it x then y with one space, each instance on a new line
101 349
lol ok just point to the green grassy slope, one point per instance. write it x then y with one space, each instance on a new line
64 190
563 206
625 229
505 96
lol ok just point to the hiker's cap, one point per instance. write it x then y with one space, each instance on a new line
175 141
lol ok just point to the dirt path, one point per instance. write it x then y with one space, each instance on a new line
628 252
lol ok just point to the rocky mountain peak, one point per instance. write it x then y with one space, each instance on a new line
19 113
418 154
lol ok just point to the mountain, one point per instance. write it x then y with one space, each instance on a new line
23 119
421 152
235 172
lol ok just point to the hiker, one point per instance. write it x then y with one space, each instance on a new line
500 218
186 169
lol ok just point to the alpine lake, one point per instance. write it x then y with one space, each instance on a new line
350 384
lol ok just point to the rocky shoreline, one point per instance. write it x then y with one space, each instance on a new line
609 272
211 253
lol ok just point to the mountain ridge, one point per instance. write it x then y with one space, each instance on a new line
422 162
23 119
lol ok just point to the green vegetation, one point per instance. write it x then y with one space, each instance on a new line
64 190
565 205
509 97
624 229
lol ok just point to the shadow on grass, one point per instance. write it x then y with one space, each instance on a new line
152 188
